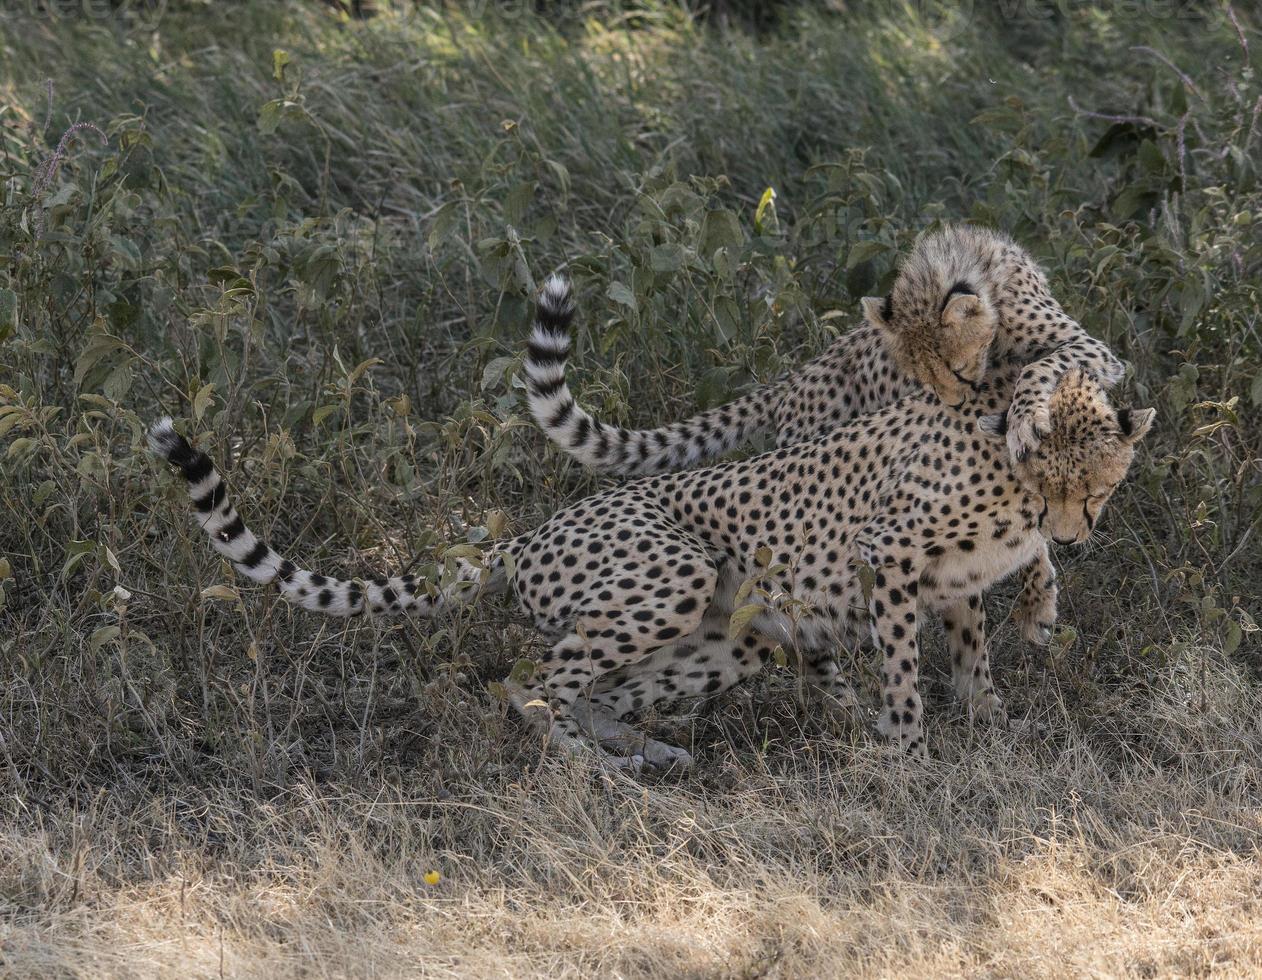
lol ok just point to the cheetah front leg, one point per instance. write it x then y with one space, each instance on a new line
892 605
965 623
1028 417
1036 605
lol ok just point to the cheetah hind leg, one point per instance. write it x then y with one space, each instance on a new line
579 734
701 665
626 743
568 675
620 737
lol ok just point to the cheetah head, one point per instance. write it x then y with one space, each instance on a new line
940 320
1078 466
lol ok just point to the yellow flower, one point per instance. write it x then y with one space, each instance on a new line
433 877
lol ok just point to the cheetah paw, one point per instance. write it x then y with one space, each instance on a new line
624 763
659 755
837 699
1040 634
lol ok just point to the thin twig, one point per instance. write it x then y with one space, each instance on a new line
1187 82
1137 120
48 112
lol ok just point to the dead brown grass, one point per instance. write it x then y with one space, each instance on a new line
798 849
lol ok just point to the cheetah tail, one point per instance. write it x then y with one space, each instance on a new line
229 536
609 448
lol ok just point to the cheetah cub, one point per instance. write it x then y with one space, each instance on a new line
917 507
859 374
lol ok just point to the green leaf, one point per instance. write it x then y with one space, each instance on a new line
621 294
102 636
667 258
8 312
76 552
443 222
1232 637
719 229
201 401
522 671
358 370
99 345
1151 158
280 58
1117 139
517 200
742 617
867 580
269 116
494 372
118 382
1133 200
14 415
863 251
19 446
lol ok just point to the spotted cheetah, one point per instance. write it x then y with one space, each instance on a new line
918 506
859 374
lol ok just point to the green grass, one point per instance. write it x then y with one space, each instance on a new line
325 265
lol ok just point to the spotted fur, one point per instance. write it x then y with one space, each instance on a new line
634 587
955 280
859 374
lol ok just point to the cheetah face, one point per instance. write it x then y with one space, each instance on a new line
946 349
1076 468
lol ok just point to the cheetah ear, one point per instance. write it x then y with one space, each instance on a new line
878 310
994 427
1134 423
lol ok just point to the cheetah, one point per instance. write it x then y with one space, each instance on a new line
920 506
859 374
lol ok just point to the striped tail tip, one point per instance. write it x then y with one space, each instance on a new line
556 303
164 441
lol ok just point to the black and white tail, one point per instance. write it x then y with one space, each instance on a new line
214 513
609 448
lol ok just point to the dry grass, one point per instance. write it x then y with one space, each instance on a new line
789 853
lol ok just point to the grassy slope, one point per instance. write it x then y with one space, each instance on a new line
232 786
